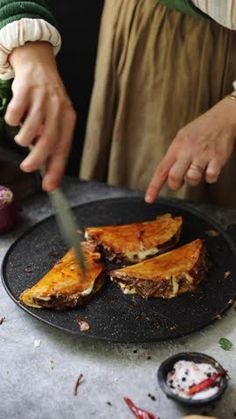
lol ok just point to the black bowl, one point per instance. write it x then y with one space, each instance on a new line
197 357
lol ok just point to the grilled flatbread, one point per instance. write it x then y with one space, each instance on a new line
167 275
64 285
138 241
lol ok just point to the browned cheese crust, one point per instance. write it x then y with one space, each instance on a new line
165 276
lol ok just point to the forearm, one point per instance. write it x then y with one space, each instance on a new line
32 54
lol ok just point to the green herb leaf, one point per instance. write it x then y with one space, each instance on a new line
225 344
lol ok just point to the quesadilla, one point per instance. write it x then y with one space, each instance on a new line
135 242
64 285
167 275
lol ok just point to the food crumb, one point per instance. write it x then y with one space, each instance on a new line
227 274
109 403
37 343
52 364
83 325
28 269
153 398
213 233
77 384
53 254
2 320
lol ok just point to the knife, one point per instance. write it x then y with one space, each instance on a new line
70 232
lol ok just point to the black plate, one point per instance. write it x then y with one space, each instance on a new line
112 315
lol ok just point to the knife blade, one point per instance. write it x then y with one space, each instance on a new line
70 232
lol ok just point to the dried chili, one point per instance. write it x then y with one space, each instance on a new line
139 413
2 320
205 384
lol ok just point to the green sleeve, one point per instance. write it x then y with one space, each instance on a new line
184 6
11 10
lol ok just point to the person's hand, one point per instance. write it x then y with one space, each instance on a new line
42 108
199 150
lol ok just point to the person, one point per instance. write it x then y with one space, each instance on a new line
162 109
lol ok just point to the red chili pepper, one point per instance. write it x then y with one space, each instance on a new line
139 413
203 385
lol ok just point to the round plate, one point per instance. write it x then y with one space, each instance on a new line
112 315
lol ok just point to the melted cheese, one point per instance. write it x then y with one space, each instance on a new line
143 254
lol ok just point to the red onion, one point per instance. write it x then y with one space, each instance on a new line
9 209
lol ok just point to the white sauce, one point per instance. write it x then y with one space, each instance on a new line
186 374
143 254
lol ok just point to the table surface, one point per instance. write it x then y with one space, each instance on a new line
37 382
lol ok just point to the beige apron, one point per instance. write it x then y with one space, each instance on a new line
157 69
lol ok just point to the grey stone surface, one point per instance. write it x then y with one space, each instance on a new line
38 382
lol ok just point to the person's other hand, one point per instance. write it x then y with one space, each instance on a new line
42 108
199 150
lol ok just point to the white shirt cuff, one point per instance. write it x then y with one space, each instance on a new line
17 33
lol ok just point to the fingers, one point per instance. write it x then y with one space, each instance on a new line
182 171
177 174
45 143
51 149
58 160
37 157
31 127
195 173
179 170
159 178
213 171
17 107
200 170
